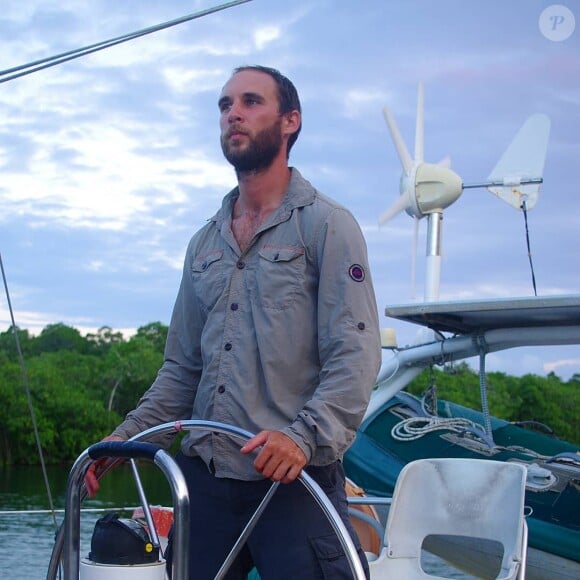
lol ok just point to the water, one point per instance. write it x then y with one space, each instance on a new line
27 539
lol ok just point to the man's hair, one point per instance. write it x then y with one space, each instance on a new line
288 99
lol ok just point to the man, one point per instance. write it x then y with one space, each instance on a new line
275 330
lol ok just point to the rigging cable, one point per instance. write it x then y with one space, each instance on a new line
525 211
29 68
37 65
28 395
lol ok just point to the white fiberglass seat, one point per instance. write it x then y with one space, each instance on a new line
470 498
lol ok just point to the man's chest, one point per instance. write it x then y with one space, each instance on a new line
244 229
273 269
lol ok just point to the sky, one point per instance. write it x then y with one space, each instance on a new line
109 163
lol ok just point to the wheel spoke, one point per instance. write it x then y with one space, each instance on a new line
247 531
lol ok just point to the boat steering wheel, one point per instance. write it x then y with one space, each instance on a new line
67 539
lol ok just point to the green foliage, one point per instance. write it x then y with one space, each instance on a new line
59 336
8 343
130 367
67 417
545 400
154 334
81 387
102 341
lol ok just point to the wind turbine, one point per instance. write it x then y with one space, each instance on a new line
427 189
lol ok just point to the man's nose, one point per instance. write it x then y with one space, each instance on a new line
234 114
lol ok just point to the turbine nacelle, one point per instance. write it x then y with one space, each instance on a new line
427 189
435 189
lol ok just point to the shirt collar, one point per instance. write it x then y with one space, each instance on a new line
300 193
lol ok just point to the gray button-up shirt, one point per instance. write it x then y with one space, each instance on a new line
283 336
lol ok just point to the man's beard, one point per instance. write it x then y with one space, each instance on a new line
260 152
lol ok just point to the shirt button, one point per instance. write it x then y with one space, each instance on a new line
241 264
221 389
234 306
228 346
361 325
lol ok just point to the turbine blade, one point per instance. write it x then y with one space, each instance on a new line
401 204
445 162
402 152
419 127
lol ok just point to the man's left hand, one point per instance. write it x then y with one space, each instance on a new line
280 459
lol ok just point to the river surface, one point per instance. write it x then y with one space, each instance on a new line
27 539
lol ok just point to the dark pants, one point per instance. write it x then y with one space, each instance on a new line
292 539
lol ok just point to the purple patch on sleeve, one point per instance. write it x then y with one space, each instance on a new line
357 272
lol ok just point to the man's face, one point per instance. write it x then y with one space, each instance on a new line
250 122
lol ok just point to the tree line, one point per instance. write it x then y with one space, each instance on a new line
544 403
81 386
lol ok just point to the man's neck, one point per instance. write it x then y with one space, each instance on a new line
263 191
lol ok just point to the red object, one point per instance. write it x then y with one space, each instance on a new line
162 518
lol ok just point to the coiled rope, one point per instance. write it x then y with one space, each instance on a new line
416 427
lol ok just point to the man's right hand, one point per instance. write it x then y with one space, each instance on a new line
279 459
96 468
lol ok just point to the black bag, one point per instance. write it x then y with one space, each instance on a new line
121 541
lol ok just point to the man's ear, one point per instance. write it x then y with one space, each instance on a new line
291 122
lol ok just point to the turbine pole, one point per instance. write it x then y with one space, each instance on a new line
433 273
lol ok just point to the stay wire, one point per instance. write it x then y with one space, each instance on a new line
28 395
525 212
37 65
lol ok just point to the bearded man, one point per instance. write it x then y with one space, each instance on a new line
274 330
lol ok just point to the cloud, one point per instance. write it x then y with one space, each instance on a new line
184 79
265 35
358 102
111 201
109 163
110 179
34 322
559 365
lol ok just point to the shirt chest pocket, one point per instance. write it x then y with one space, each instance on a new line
279 276
208 275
